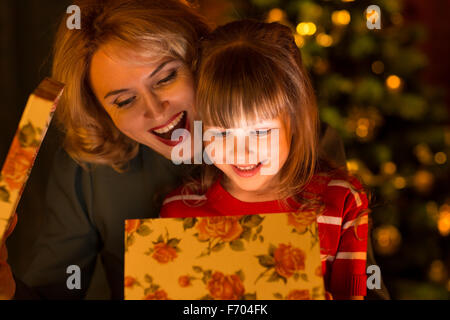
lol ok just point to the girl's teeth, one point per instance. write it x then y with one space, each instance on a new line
171 125
246 168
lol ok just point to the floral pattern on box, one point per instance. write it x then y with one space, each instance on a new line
248 257
23 150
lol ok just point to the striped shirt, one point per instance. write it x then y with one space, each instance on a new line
343 227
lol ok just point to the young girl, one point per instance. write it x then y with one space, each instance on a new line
251 77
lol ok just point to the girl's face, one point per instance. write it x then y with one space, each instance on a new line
248 182
146 102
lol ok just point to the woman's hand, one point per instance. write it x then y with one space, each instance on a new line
7 283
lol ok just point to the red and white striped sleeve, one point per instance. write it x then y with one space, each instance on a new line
348 271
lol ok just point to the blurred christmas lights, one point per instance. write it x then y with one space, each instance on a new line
378 67
387 240
306 28
393 82
275 15
440 158
341 17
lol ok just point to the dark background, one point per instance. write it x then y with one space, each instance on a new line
26 34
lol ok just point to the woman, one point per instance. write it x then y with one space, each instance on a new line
129 84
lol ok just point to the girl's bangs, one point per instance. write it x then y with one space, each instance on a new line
241 89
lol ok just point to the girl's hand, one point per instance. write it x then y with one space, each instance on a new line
7 283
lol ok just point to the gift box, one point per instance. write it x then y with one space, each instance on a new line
248 257
22 153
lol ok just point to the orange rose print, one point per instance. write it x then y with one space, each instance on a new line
223 287
132 225
157 295
298 295
129 281
16 168
288 260
184 281
301 220
164 253
224 228
318 271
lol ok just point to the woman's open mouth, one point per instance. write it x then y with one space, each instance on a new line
164 132
247 170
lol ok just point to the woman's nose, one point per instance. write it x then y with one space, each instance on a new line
154 106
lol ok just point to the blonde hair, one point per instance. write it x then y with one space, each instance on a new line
150 28
253 70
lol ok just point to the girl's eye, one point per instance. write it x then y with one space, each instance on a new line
167 79
260 132
125 102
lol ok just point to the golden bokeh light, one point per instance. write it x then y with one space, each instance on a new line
299 40
423 153
389 168
440 158
352 166
393 82
443 223
423 180
377 67
275 15
399 182
437 272
341 17
306 28
387 239
324 40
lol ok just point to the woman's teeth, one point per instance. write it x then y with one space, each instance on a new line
171 125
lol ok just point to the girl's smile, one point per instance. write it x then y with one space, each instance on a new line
247 182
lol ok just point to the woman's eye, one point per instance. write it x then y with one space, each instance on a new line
121 104
260 132
167 79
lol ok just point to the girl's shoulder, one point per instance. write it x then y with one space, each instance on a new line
339 189
182 202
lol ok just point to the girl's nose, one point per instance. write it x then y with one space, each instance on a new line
244 149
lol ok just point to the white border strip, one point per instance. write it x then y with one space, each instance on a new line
185 197
363 220
329 220
346 184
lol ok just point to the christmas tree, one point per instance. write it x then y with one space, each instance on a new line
395 127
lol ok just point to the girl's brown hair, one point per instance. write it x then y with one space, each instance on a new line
253 70
148 28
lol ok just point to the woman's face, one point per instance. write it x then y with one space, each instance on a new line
146 102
